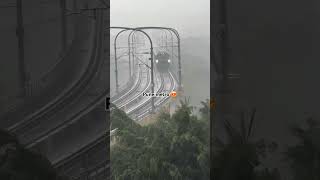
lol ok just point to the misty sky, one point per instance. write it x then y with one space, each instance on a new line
189 17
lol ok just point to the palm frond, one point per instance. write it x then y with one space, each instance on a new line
251 122
231 131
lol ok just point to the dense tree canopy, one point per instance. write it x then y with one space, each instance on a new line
174 147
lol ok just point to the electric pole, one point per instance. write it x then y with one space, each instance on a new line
220 63
24 78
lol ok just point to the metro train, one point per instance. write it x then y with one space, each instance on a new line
163 61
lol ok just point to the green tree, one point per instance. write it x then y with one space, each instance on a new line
205 109
174 147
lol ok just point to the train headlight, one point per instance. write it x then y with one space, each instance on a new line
157 60
169 61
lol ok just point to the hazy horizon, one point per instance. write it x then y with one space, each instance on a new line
191 18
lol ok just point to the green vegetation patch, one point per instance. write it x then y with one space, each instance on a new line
174 147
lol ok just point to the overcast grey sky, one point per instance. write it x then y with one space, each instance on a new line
189 17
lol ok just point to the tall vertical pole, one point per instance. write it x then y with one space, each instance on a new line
179 66
133 50
116 59
166 40
220 63
131 44
152 65
179 58
152 80
22 65
171 44
162 40
63 25
129 63
116 68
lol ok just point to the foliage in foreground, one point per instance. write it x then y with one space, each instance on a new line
174 147
304 157
238 156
